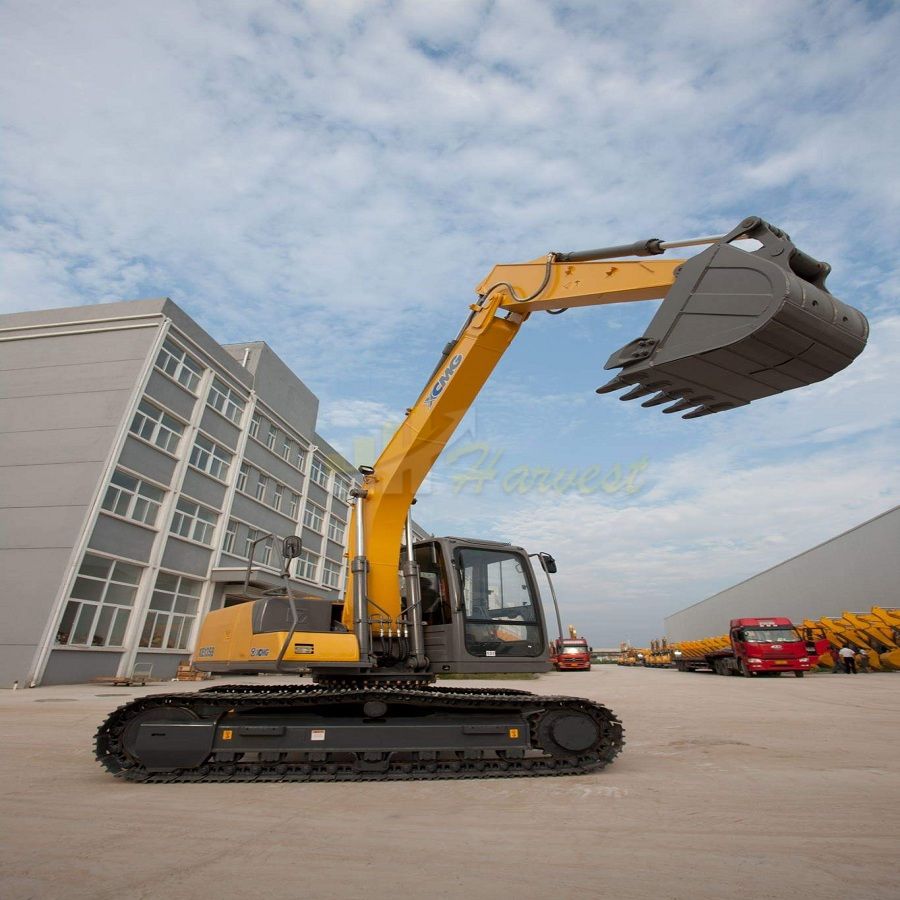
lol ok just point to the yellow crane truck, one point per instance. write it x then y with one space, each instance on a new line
735 326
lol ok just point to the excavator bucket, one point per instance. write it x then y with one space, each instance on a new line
740 325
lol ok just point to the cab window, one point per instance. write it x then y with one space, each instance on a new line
433 585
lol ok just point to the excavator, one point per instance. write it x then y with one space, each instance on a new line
735 326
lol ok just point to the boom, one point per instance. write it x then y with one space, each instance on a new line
465 366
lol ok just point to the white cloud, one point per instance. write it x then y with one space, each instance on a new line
335 177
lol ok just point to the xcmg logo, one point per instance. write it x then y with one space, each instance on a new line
441 383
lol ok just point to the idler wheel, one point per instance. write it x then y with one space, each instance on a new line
564 732
164 715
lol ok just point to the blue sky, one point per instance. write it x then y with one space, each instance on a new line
336 177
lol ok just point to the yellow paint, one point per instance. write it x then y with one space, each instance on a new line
227 636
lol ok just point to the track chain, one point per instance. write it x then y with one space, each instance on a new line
213 702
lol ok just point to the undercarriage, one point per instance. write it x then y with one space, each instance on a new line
324 732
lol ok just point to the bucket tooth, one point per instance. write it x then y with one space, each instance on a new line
682 405
639 391
659 399
614 384
699 412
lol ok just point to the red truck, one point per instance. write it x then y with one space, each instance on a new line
757 647
570 653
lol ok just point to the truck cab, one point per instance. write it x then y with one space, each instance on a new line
768 647
571 653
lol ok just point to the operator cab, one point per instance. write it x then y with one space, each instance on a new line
481 607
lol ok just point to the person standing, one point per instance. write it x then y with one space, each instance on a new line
862 660
848 658
835 659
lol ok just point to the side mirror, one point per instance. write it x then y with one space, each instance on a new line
548 563
292 546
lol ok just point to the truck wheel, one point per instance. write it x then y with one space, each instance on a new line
745 671
799 674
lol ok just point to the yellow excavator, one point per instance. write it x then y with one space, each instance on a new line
735 326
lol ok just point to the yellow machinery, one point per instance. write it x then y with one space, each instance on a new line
735 326
878 631
633 656
661 655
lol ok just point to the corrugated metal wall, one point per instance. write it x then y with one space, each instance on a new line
853 571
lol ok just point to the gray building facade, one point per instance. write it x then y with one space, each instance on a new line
139 461
852 572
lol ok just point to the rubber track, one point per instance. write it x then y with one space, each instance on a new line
112 757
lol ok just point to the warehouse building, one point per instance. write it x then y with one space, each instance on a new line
852 572
140 463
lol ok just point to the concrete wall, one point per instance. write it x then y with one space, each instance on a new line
64 386
853 571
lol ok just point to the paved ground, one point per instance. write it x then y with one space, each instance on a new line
777 788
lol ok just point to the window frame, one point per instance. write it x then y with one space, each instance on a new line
120 611
185 620
182 362
135 496
335 572
308 511
159 426
307 558
214 460
199 523
230 400
320 472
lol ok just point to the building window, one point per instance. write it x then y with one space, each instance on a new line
314 516
261 486
293 505
287 446
133 498
226 401
230 535
299 458
336 530
209 457
176 363
307 563
172 612
254 425
341 488
320 472
331 573
252 535
278 497
242 477
272 437
100 603
262 554
156 426
193 521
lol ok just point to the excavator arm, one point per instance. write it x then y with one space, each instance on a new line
734 326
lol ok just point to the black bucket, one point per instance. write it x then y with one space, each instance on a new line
737 326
